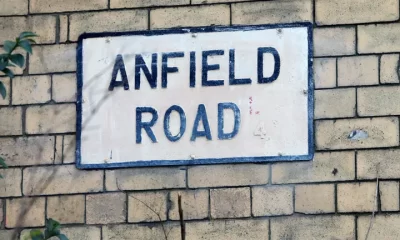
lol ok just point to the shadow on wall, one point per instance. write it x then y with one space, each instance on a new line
60 114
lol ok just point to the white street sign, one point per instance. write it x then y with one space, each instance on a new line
195 96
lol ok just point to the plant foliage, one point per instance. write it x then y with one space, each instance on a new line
52 230
10 60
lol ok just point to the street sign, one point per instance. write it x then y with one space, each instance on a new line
195 96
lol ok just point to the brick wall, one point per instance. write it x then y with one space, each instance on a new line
356 48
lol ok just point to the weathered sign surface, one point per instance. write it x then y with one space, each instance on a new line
195 96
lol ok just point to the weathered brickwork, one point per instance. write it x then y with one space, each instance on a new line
263 12
147 207
189 16
355 171
334 41
112 205
324 73
272 201
67 209
315 198
101 21
336 103
356 11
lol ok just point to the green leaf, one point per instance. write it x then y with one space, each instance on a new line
3 65
3 163
3 93
3 57
62 237
9 46
27 35
8 72
52 228
36 234
52 224
26 45
31 40
18 59
38 238
10 64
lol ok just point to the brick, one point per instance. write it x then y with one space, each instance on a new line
51 119
1 212
147 207
267 12
228 230
11 182
146 3
356 11
356 71
214 1
63 28
11 121
13 7
58 155
230 202
44 26
142 232
53 58
272 201
378 101
334 41
385 227
313 227
31 89
357 133
69 149
66 209
311 199
6 83
356 197
25 212
53 180
8 234
228 175
385 162
389 195
64 88
24 151
190 16
50 6
106 208
118 21
379 38
335 103
82 233
145 178
389 68
325 167
324 72
194 204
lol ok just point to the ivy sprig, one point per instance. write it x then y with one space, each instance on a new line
52 230
9 60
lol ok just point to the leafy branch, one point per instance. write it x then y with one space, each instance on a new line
9 59
52 230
